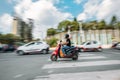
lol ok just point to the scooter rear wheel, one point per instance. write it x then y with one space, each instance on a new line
53 57
75 57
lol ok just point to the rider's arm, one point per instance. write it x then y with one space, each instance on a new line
65 43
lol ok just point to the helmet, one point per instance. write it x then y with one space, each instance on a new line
66 35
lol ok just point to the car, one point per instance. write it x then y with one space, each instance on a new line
33 47
90 46
117 46
1 46
114 44
7 47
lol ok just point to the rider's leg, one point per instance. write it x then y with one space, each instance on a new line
64 49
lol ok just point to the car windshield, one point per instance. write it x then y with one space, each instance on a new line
29 44
83 43
38 43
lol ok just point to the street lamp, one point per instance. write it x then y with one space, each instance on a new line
80 26
80 30
69 30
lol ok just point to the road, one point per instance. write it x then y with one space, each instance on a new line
90 66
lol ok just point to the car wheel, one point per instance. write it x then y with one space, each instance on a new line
20 53
44 51
82 50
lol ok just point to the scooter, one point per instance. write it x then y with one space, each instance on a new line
58 53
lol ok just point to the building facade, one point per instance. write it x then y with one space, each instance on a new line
21 28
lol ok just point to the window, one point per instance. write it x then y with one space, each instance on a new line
94 42
30 44
38 43
83 43
88 43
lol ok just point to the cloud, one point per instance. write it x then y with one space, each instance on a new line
90 9
43 12
100 9
5 23
78 1
108 8
82 16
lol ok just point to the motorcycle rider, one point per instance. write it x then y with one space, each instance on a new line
67 45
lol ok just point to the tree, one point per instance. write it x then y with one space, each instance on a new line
102 24
51 32
64 24
118 25
52 42
74 26
75 19
9 38
113 20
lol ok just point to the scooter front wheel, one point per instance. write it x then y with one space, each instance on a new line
53 57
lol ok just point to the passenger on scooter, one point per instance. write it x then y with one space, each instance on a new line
66 45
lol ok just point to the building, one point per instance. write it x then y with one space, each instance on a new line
22 29
15 26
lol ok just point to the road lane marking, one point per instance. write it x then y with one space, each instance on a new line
81 64
19 75
93 57
41 78
50 71
97 75
83 55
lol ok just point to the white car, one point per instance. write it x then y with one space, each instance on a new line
117 46
90 46
33 47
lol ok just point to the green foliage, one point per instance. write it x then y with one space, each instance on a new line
52 42
91 25
8 38
51 32
74 26
101 25
64 24
113 20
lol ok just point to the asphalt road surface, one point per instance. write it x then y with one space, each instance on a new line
90 66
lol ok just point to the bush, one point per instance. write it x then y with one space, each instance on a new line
52 42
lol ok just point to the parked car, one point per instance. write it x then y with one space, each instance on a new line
1 47
33 47
7 47
117 46
114 44
90 46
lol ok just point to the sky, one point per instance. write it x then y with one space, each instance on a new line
48 13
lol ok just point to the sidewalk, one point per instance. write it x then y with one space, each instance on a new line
52 48
106 46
